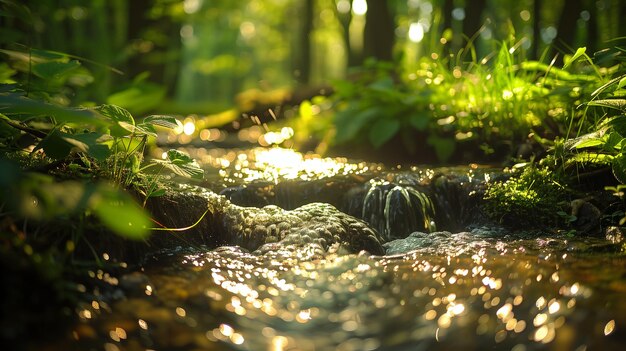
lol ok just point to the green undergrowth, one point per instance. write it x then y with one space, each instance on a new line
446 104
73 184
531 196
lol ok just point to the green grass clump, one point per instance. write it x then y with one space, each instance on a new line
527 198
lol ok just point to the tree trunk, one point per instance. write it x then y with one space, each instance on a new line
534 53
303 59
379 31
566 31
345 19
446 23
473 17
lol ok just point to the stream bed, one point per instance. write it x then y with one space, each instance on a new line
452 284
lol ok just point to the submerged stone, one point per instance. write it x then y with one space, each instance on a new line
412 242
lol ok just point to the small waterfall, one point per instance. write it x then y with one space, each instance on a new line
397 210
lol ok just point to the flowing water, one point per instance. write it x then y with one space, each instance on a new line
469 288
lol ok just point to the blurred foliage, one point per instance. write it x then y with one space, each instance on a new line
101 142
196 51
499 101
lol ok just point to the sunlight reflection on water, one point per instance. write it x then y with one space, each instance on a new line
475 298
461 291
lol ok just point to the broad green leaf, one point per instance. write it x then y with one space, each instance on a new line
116 113
611 141
49 55
54 145
350 121
54 69
381 85
22 108
114 207
6 74
124 122
382 131
179 157
54 198
181 164
586 143
139 97
162 121
580 52
120 213
138 130
96 145
619 167
419 120
58 145
444 148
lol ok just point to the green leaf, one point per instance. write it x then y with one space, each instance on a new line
350 121
580 52
444 148
120 213
139 97
54 69
22 108
622 83
58 145
382 85
419 120
585 143
124 121
138 130
618 123
619 168
179 157
382 131
162 121
133 164
181 164
54 145
96 145
612 141
618 104
116 113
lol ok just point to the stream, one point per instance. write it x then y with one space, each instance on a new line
432 274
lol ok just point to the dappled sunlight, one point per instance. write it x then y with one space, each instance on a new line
275 164
166 180
488 296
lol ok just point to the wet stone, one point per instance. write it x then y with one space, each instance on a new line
252 227
134 284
